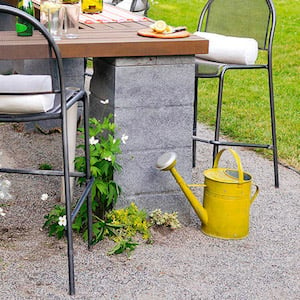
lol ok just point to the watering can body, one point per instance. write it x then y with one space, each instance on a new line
227 202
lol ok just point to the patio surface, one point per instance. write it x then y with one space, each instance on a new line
183 264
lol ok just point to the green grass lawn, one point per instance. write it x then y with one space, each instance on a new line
245 114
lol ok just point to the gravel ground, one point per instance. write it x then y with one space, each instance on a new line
183 264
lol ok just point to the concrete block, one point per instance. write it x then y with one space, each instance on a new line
150 60
152 102
164 127
140 176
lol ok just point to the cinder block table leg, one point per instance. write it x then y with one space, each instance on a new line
152 102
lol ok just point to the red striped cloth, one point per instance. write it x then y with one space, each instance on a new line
109 14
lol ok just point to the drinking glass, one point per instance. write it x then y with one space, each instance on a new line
71 24
52 17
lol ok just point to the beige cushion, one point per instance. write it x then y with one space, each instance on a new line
228 49
12 104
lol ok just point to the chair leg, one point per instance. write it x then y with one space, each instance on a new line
68 204
273 124
70 257
218 115
195 122
88 171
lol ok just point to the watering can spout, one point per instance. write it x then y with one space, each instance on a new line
167 162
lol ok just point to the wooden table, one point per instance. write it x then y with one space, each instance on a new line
150 86
102 40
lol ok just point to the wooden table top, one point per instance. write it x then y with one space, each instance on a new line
101 40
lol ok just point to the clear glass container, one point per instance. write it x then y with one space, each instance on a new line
92 6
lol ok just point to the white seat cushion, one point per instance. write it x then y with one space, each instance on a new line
229 49
22 104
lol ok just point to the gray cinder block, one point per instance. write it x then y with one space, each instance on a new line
152 102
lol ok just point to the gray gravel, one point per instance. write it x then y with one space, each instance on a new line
183 264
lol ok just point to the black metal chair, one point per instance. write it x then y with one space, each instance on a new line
136 6
254 19
144 8
64 100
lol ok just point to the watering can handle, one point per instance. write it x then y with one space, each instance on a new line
255 194
238 162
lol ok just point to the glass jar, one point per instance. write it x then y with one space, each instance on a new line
92 6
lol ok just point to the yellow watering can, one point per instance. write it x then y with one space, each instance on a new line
226 199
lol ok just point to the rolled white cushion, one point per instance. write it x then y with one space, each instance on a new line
229 49
21 104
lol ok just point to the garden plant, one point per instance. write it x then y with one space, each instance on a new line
125 226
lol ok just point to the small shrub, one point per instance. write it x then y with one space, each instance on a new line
45 167
164 219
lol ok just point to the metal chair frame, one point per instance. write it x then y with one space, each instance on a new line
58 112
133 6
222 69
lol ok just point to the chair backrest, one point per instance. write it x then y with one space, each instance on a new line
139 5
52 54
241 18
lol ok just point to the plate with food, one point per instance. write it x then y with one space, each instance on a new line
160 29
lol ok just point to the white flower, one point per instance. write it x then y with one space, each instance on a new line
6 183
44 197
106 101
2 195
124 138
93 141
62 221
2 213
108 158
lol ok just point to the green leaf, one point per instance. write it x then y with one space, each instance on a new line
102 187
122 246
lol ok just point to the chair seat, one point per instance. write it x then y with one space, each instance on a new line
72 95
211 69
27 103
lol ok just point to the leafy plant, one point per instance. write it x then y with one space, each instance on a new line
134 222
52 221
102 229
157 217
45 167
119 225
103 150
123 246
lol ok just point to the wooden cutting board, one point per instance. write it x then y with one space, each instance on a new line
148 32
